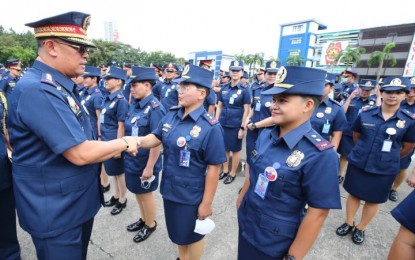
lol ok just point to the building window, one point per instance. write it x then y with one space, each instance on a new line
296 41
297 28
293 53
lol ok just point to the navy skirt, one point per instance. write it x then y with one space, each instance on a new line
181 222
405 161
134 185
114 167
246 251
230 136
346 145
370 187
404 213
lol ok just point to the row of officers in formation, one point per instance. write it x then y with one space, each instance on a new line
65 118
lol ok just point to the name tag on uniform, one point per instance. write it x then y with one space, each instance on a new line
261 186
326 128
231 100
387 145
184 158
102 118
134 131
257 106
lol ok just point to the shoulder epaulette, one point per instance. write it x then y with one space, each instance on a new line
408 113
97 90
212 120
47 78
120 96
368 108
336 102
319 142
175 108
155 103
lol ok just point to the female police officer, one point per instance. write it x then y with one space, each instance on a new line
291 166
192 141
382 135
142 171
114 111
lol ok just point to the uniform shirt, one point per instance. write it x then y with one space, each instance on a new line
101 87
233 100
307 174
205 142
144 116
169 95
81 91
367 153
114 109
404 213
406 105
210 100
126 89
2 114
256 89
92 100
52 194
328 117
157 89
346 90
7 83
355 107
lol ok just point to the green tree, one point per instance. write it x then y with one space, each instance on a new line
381 57
254 59
295 60
350 56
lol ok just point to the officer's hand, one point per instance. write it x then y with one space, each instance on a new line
133 144
147 173
204 211
354 94
241 134
411 180
377 91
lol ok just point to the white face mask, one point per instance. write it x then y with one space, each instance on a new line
331 95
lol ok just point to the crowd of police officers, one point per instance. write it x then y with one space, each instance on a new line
370 125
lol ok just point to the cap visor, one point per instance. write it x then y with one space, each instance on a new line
274 91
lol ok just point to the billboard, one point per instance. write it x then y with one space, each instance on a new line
331 50
409 69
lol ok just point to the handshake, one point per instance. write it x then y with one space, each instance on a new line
133 143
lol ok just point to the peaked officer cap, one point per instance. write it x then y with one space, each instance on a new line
367 84
115 73
196 75
142 74
396 83
236 65
272 66
91 71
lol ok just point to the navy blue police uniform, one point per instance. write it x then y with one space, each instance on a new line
92 98
286 174
404 213
355 107
143 118
114 109
190 145
374 162
329 117
210 100
261 108
169 96
46 119
7 83
406 161
126 88
9 245
233 99
347 88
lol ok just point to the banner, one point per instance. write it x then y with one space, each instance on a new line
331 50
409 69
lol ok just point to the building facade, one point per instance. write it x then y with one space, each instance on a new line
217 60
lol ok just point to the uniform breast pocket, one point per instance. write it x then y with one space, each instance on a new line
143 126
286 180
194 145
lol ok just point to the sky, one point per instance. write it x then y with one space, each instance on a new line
233 26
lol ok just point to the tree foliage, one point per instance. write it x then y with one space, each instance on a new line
350 56
381 57
295 60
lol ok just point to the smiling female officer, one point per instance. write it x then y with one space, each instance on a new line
192 143
382 135
291 166
144 116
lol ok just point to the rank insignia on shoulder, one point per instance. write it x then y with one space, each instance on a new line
155 104
368 108
97 91
319 143
175 108
212 120
47 78
408 113
295 159
119 96
166 127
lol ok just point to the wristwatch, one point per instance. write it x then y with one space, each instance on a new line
253 126
242 128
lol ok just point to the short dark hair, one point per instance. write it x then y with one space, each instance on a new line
317 100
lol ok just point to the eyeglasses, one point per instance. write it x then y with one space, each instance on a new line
186 88
81 49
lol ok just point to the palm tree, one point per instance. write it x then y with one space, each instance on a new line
253 59
295 60
379 58
349 56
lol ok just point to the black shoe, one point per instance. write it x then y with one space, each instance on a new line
393 195
341 179
105 189
118 207
111 202
144 233
344 229
358 236
136 226
229 179
223 175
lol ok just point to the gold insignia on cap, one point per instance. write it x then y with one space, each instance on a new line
86 23
400 124
396 82
236 63
413 80
195 131
273 65
295 158
368 83
281 75
185 71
